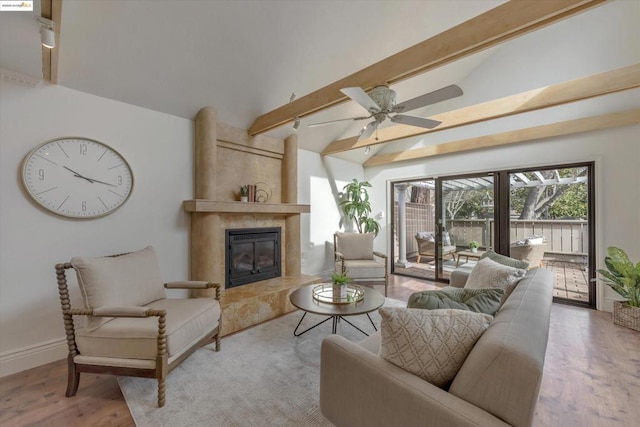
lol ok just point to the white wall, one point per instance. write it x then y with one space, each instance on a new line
555 54
159 150
320 180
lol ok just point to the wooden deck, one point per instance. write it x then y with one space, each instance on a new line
571 278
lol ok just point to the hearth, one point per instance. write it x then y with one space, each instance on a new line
251 255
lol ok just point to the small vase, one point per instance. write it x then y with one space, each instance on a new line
339 291
474 250
244 199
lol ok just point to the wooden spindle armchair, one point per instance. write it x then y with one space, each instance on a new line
132 328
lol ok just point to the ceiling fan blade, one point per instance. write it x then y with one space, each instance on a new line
368 130
415 121
361 97
338 120
428 99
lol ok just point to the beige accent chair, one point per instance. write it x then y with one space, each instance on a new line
354 255
132 328
427 246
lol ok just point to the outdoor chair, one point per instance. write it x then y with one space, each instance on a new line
355 257
427 246
132 328
533 253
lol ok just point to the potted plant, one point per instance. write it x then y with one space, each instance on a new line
474 245
356 206
624 278
244 193
340 281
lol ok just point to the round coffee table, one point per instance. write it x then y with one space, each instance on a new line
303 299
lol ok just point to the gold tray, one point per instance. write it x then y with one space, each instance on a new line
330 293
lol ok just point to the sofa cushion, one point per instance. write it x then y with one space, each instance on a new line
490 274
431 344
127 280
355 245
477 300
188 319
505 260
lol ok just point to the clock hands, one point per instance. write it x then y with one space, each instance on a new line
91 180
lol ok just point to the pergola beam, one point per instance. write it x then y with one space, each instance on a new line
549 96
586 124
507 21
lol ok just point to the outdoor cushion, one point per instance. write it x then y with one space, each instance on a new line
355 245
505 260
477 300
187 321
132 279
431 344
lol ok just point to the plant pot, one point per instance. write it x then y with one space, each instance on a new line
474 250
626 315
244 199
339 291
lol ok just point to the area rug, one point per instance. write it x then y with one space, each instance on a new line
263 376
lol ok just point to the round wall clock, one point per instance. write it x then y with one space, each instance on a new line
77 177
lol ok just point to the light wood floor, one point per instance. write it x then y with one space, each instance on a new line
591 378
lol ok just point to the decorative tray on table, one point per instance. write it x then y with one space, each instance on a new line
338 294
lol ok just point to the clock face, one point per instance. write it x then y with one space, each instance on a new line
77 177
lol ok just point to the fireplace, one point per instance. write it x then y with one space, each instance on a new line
251 255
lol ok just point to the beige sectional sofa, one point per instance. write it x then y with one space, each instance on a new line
497 385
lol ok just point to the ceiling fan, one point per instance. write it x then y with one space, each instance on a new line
381 104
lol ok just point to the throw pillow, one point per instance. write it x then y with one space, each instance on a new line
489 274
127 280
425 235
355 245
477 300
432 344
505 260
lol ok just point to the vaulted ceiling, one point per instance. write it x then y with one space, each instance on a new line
244 58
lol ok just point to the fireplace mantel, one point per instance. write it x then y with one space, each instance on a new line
213 206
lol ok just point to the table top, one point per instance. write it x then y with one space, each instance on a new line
471 254
303 299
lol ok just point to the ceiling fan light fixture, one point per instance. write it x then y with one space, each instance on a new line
47 33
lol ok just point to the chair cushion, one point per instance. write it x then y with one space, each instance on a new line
355 245
477 300
505 260
431 344
362 268
490 274
127 280
188 320
425 235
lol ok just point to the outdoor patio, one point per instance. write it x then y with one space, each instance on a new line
571 277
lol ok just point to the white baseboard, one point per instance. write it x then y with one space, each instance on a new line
29 357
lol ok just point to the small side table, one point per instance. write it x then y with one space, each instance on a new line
467 255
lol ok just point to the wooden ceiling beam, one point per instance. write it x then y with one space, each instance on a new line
51 9
621 118
509 20
562 93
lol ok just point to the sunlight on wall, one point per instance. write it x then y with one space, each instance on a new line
325 215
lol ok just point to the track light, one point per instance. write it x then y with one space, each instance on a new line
47 33
296 123
367 150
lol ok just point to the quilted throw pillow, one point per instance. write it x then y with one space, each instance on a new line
489 274
477 300
432 344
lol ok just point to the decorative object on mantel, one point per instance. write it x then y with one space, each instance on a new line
244 193
474 245
357 207
263 192
252 193
624 278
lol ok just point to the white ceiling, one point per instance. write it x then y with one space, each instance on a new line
242 57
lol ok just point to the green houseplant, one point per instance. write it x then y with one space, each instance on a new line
357 207
244 193
624 278
474 245
340 281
